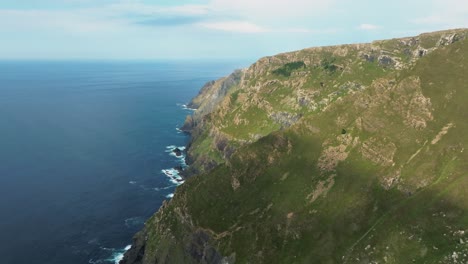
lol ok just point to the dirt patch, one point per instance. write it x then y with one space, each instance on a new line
378 152
411 104
331 157
322 189
444 131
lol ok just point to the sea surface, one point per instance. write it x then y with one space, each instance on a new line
83 151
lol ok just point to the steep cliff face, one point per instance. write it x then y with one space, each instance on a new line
345 154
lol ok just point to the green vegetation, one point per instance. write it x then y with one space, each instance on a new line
328 64
288 68
374 171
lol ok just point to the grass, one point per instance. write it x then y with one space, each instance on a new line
269 216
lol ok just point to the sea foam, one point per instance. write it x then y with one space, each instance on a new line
118 255
185 107
173 176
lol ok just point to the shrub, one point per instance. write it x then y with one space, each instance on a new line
288 68
328 64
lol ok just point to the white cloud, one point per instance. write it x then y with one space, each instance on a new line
241 16
108 18
84 21
307 30
368 27
136 7
234 26
446 13
270 9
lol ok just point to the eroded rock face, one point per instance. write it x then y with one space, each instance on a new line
285 119
189 124
137 252
213 93
412 105
226 106
386 61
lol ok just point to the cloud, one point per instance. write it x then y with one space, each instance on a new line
242 16
106 18
446 13
84 21
168 21
271 9
234 26
368 27
161 16
139 8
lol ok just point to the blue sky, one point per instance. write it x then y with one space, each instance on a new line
208 29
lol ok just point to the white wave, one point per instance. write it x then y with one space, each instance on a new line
176 182
185 107
132 182
118 255
173 176
165 188
171 172
174 155
170 195
181 158
172 147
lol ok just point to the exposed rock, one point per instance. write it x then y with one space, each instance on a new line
353 152
189 124
213 93
443 132
285 119
449 39
413 106
177 152
321 189
136 253
386 61
378 152
331 156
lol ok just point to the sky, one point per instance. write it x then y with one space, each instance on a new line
208 29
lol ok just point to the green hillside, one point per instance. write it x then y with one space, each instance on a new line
345 154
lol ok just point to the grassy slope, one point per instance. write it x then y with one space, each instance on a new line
357 213
273 201
302 83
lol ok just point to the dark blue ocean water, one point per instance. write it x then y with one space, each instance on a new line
82 146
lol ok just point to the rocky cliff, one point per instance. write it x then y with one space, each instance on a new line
344 154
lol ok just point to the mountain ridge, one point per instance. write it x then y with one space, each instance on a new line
303 156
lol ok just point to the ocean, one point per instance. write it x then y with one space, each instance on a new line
83 151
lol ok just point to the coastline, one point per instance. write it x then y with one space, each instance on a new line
274 191
192 161
175 175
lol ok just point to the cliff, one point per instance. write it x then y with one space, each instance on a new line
344 154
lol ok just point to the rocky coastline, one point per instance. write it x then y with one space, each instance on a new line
310 157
